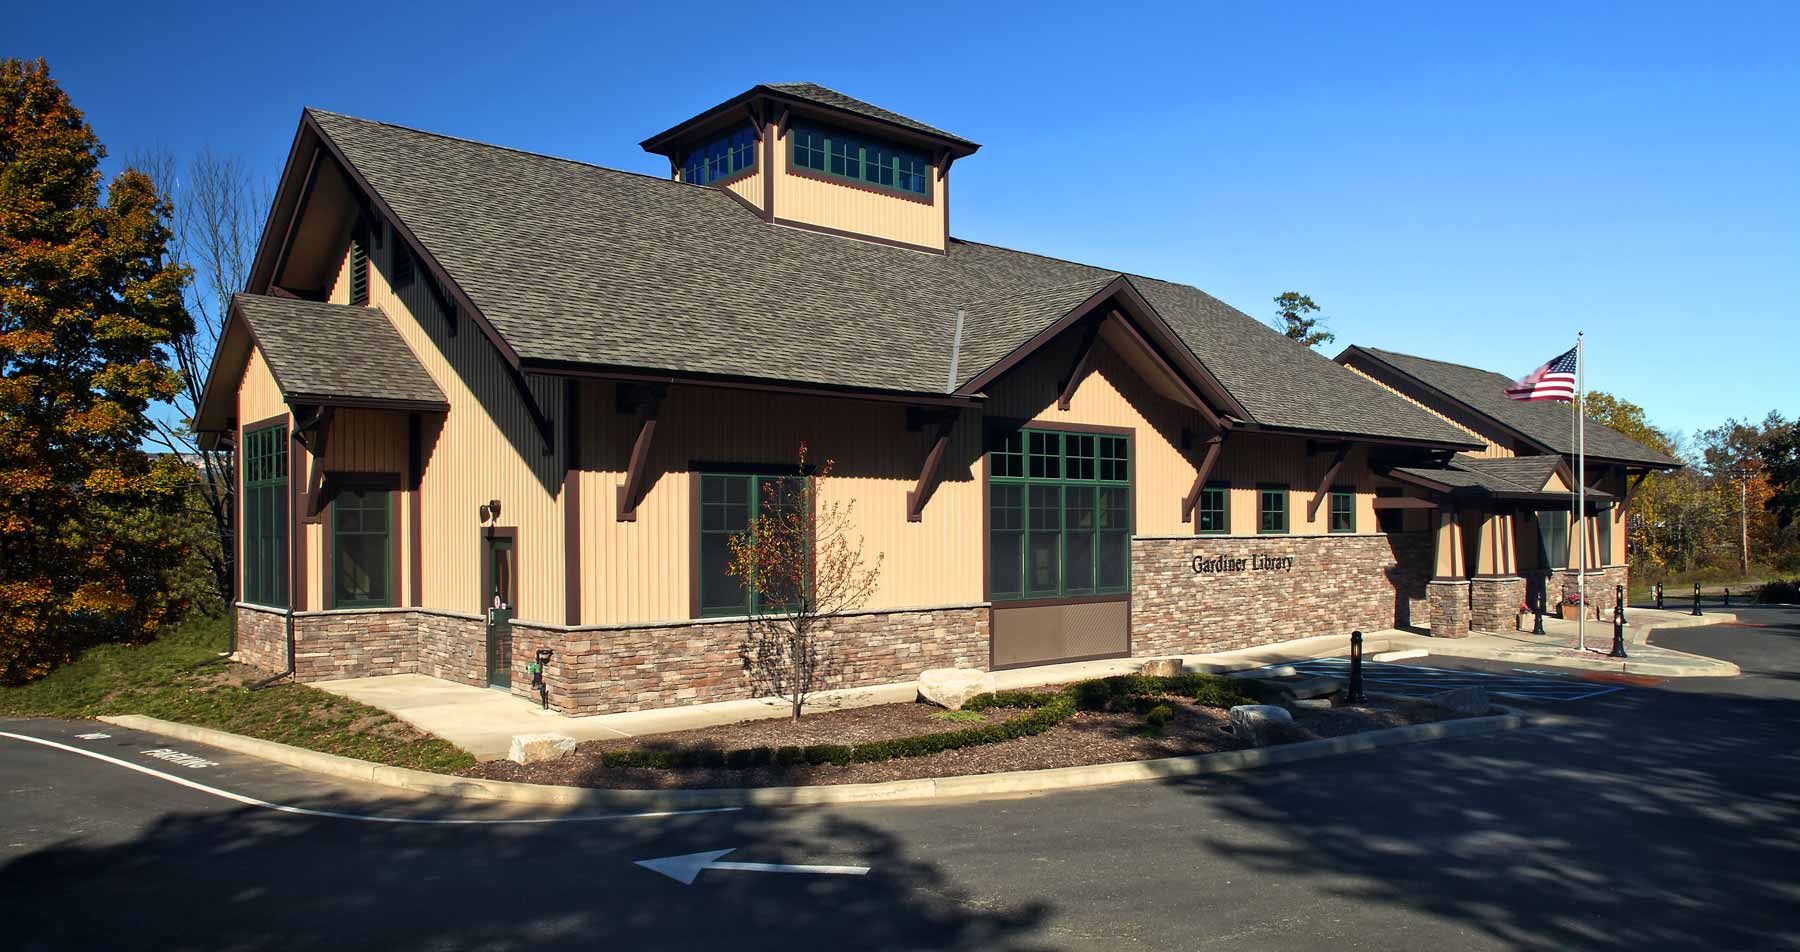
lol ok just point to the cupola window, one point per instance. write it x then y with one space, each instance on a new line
723 157
845 155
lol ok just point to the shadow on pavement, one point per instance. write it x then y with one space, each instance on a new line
248 878
1649 819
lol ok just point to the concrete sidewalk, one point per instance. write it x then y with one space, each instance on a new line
1558 647
483 721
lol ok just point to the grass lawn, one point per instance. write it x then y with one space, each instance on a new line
182 677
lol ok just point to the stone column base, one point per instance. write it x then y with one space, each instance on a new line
1449 607
1494 602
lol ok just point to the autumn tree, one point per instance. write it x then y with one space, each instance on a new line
1780 455
800 566
1291 309
88 301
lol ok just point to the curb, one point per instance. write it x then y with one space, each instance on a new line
975 785
1714 667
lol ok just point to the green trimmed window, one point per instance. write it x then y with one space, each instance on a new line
1343 511
1271 510
359 266
723 157
265 517
1212 514
1553 538
1059 515
729 502
862 159
1603 520
362 549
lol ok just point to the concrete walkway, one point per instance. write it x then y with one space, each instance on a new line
1557 647
483 721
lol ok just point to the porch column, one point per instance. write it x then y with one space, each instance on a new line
1497 590
1449 587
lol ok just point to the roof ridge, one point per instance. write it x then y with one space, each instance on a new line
1431 360
1102 279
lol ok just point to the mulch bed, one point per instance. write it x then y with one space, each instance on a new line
1085 738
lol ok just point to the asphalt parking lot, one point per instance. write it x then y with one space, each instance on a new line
1420 681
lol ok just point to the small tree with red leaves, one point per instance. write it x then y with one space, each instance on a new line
800 565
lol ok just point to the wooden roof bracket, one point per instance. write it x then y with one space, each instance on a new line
1213 444
1337 465
646 401
941 423
1084 359
312 428
1631 487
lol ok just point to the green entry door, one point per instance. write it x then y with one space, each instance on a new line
498 600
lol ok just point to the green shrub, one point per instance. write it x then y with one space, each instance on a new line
1781 592
1228 692
962 717
984 702
1159 715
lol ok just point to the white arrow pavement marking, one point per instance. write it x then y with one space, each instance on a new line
303 811
683 869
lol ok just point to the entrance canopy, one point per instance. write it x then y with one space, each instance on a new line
1534 482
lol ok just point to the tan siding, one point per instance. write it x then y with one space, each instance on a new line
485 448
844 207
642 570
1498 446
750 188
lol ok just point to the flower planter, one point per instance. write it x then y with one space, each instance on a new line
1571 612
1525 621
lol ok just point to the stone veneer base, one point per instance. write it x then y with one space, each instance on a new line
1494 602
1449 608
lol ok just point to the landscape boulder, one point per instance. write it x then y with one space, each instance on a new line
1161 668
1469 700
540 748
1252 722
952 687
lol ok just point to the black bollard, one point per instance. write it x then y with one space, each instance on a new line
1696 598
1619 597
1727 596
1618 633
1659 596
1537 622
1354 694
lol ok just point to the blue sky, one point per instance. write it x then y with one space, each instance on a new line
1470 183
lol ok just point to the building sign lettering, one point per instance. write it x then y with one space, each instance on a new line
1220 564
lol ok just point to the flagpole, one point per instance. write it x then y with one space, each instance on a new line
1581 486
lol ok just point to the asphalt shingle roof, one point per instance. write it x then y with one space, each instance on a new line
335 351
1525 474
1546 422
577 263
813 92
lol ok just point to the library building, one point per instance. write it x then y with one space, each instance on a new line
487 403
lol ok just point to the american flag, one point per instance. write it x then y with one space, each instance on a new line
1553 381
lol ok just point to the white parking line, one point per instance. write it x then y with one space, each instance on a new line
1416 680
331 814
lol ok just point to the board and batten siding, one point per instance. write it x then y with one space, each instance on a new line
1498 446
486 447
642 571
843 206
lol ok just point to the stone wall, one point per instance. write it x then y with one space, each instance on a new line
1601 590
1335 584
601 671
262 638
1494 603
1449 608
355 644
454 647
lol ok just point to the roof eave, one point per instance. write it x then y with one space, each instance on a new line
640 374
663 143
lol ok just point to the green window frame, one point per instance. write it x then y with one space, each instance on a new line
1553 538
1059 514
832 151
725 156
1212 514
729 502
264 518
1603 520
364 557
1271 510
1341 512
